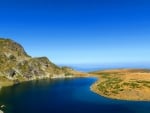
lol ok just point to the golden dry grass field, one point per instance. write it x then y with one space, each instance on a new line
124 84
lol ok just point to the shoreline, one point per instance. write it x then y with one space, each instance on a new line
2 85
93 87
34 79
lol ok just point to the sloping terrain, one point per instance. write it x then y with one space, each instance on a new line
17 66
125 84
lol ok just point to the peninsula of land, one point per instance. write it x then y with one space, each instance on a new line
123 84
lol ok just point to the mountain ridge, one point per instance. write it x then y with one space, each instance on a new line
17 66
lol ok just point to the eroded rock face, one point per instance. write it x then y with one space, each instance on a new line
17 65
11 48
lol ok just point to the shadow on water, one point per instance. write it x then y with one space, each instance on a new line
63 95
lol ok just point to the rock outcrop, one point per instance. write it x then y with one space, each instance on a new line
17 66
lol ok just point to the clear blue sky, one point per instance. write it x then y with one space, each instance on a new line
79 31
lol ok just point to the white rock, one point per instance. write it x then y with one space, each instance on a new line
2 106
1 111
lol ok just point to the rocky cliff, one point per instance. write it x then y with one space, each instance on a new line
17 66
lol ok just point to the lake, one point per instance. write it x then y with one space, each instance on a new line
63 96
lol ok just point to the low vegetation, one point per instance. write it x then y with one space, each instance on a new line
123 84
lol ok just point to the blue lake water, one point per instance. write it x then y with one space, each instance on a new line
64 96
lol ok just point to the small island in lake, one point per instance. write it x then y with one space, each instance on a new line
123 84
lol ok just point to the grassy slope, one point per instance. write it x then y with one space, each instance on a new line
125 84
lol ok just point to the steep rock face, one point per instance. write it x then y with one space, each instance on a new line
16 65
12 50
